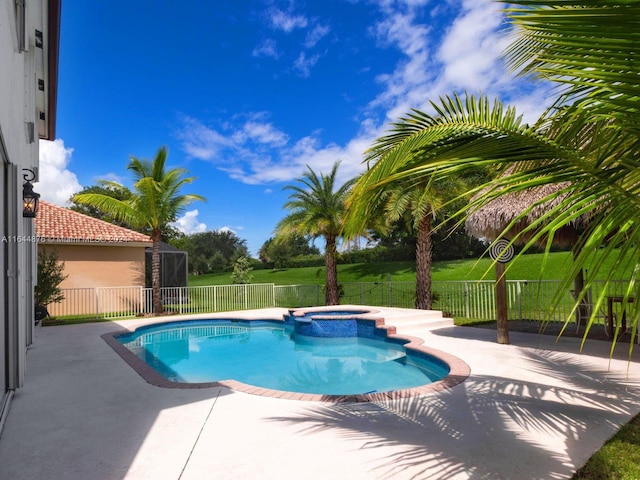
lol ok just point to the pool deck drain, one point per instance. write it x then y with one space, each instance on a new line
535 409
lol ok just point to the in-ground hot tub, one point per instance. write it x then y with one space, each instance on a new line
334 322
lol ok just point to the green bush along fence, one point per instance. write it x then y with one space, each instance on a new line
527 300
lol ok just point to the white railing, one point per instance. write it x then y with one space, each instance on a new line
527 300
102 302
121 302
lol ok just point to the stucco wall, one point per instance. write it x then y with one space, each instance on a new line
91 266
100 266
18 151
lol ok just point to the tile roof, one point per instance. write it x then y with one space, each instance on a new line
56 224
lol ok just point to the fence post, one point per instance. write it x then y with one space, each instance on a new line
519 293
97 302
467 312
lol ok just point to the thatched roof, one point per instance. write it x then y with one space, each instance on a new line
489 221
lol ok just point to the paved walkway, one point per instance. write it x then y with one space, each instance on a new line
535 409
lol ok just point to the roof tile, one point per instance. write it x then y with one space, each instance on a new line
58 224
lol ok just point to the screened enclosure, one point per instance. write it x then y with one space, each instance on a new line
173 266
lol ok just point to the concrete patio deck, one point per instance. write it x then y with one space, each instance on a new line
535 409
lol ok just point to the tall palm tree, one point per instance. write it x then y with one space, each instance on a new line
317 210
587 142
422 210
154 202
421 202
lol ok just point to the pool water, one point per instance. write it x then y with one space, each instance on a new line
269 356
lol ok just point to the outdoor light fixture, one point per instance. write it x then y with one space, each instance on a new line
30 199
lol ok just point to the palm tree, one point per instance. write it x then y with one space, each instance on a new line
421 202
586 144
316 210
154 202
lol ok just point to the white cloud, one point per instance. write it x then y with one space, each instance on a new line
411 81
198 141
266 48
285 21
466 57
227 229
189 223
57 183
265 133
303 64
472 47
248 140
111 177
316 34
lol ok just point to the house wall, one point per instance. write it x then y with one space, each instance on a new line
90 266
100 266
20 63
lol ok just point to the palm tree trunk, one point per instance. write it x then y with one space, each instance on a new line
155 272
423 264
331 294
584 309
502 324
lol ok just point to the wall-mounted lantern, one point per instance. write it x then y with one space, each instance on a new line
30 199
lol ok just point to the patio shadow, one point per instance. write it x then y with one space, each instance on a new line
488 427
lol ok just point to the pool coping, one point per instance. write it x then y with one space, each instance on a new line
459 371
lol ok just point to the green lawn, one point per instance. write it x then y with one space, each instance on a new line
526 267
618 459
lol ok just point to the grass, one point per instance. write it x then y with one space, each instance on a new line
526 267
618 459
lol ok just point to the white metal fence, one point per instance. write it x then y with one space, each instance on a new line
527 300
121 302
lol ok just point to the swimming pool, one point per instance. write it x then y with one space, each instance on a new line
268 355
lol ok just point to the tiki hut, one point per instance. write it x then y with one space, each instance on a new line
489 221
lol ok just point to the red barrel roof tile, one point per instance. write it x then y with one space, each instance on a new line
57 224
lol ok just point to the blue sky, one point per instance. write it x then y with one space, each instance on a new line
245 94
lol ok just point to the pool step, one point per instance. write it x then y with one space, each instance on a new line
408 322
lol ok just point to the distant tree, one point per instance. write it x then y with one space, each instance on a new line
279 253
455 243
198 264
220 247
316 209
217 263
241 271
154 203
